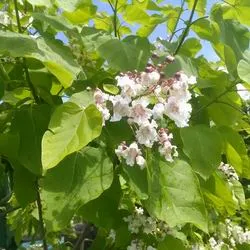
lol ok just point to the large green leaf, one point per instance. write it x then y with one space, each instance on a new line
235 150
203 146
174 194
129 54
70 129
78 179
54 55
244 67
218 193
46 3
171 243
103 211
200 7
30 123
57 22
25 187
82 14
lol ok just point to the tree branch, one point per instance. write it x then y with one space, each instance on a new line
186 31
40 214
177 21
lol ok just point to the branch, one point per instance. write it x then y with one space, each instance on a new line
40 214
114 8
186 31
31 86
177 21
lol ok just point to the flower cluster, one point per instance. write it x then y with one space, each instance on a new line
139 245
145 98
139 222
229 172
232 235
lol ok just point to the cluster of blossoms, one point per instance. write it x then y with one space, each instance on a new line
139 222
139 245
234 235
145 98
229 172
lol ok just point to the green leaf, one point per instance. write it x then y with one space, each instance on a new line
70 129
203 147
30 123
200 7
132 53
110 88
235 150
183 63
57 22
9 145
244 67
83 99
174 194
57 58
137 179
135 14
218 192
82 14
170 243
103 211
78 179
24 185
190 47
46 3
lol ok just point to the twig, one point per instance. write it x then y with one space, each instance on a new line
185 32
177 21
114 8
40 214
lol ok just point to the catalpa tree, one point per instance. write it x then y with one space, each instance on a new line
111 139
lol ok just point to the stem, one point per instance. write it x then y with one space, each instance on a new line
177 21
115 16
186 31
31 86
40 214
3 73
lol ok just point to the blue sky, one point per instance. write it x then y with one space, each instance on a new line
160 31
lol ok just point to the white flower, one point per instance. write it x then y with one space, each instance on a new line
4 18
129 87
139 111
178 111
112 235
229 171
139 210
179 89
243 92
158 110
140 161
151 248
147 134
100 97
150 78
120 107
131 154
104 111
192 80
